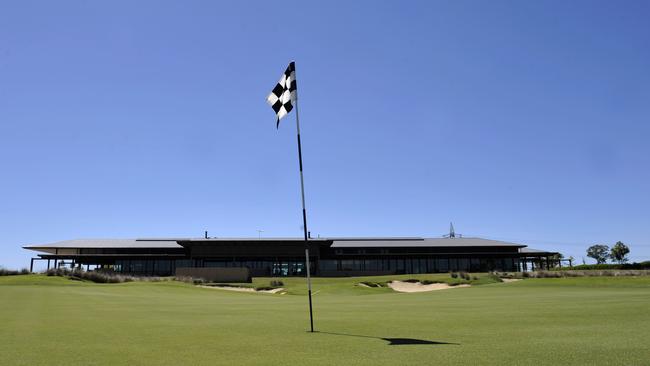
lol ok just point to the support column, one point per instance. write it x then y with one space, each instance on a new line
31 265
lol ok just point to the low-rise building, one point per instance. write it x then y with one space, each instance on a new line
286 256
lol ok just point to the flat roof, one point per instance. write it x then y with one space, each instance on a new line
202 240
107 243
535 251
351 242
424 242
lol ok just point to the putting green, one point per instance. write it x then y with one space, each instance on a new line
569 321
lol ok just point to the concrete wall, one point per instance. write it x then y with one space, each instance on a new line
213 274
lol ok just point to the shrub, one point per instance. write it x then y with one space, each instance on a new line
588 273
185 279
429 282
453 275
640 265
222 284
412 280
494 277
277 283
371 284
505 274
9 272
464 275
265 288
99 276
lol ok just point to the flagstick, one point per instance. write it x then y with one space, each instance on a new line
304 213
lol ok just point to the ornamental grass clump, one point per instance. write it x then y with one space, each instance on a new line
430 282
94 276
99 276
493 276
191 280
265 288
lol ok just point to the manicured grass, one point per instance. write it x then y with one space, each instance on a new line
565 321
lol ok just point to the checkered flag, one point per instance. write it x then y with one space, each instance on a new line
283 97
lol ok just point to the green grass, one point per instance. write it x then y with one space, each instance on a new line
349 285
565 321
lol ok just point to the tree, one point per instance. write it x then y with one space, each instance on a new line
557 259
619 252
598 252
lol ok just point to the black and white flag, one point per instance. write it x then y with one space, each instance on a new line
283 97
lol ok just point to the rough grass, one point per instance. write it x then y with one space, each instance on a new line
550 321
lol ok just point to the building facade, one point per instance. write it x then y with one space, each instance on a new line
329 257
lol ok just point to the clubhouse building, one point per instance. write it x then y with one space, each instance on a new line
329 257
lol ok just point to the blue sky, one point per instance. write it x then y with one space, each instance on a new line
522 121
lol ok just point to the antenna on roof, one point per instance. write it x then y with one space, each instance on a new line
206 235
452 232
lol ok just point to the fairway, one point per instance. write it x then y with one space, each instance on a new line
568 321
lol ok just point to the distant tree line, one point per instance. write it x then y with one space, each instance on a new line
601 253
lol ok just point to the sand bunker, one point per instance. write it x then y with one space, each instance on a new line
506 280
244 289
400 286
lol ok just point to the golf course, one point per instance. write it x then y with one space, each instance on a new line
546 321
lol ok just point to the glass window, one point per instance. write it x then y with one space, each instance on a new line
453 264
443 265
475 265
372 265
463 264
328 264
431 265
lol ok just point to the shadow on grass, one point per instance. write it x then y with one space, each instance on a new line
394 341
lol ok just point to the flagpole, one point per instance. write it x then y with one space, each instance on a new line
304 212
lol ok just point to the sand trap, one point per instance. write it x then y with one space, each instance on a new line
507 280
400 286
244 289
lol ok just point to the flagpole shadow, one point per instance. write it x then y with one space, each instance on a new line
393 341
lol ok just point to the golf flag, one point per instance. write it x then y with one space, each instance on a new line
283 97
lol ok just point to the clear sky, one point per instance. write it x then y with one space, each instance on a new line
525 121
